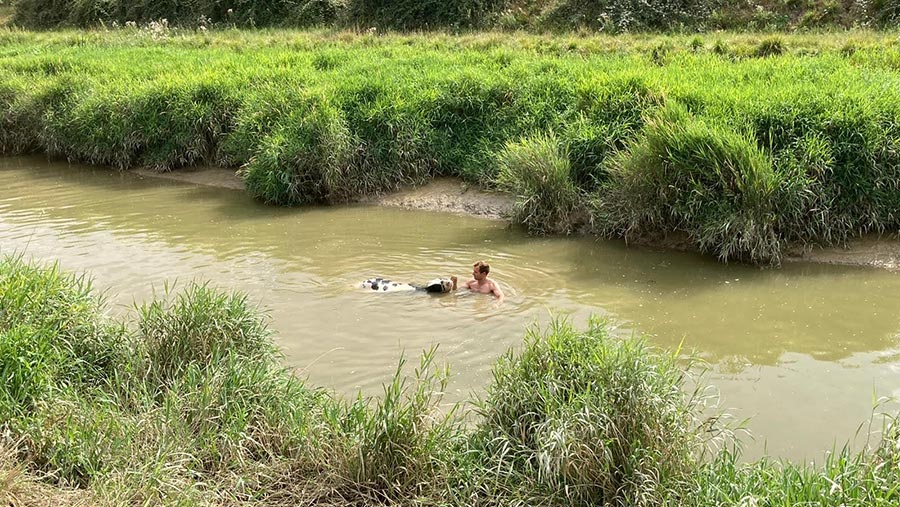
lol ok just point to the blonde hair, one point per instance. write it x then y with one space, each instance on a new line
483 267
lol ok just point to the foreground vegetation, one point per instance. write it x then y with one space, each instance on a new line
744 144
187 404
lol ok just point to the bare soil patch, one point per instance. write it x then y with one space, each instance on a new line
450 195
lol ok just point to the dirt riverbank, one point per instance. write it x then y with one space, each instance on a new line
454 196
873 250
442 194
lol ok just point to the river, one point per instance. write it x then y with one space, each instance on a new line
801 351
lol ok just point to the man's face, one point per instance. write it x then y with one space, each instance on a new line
478 275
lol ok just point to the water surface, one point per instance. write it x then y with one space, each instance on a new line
801 350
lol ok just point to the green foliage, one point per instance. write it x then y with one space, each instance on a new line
405 439
620 16
200 326
884 12
771 15
304 158
600 15
690 175
28 368
91 13
868 477
538 172
422 14
594 419
162 126
51 331
847 152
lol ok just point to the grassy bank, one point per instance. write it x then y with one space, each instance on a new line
746 144
186 403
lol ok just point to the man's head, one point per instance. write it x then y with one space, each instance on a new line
480 270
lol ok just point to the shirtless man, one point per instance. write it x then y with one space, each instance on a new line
480 283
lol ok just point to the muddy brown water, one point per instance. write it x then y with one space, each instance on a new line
800 350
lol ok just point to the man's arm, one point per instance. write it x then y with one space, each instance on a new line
453 279
497 292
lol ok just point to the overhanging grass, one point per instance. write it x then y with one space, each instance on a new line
189 406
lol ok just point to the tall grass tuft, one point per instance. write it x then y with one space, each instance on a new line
687 174
200 327
853 479
305 159
772 46
406 440
52 332
538 172
590 419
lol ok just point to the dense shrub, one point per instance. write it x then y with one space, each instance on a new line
619 16
603 15
88 13
884 12
422 14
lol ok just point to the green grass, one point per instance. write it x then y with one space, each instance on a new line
744 143
538 172
186 403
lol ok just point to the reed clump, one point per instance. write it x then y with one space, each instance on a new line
537 170
684 174
589 419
